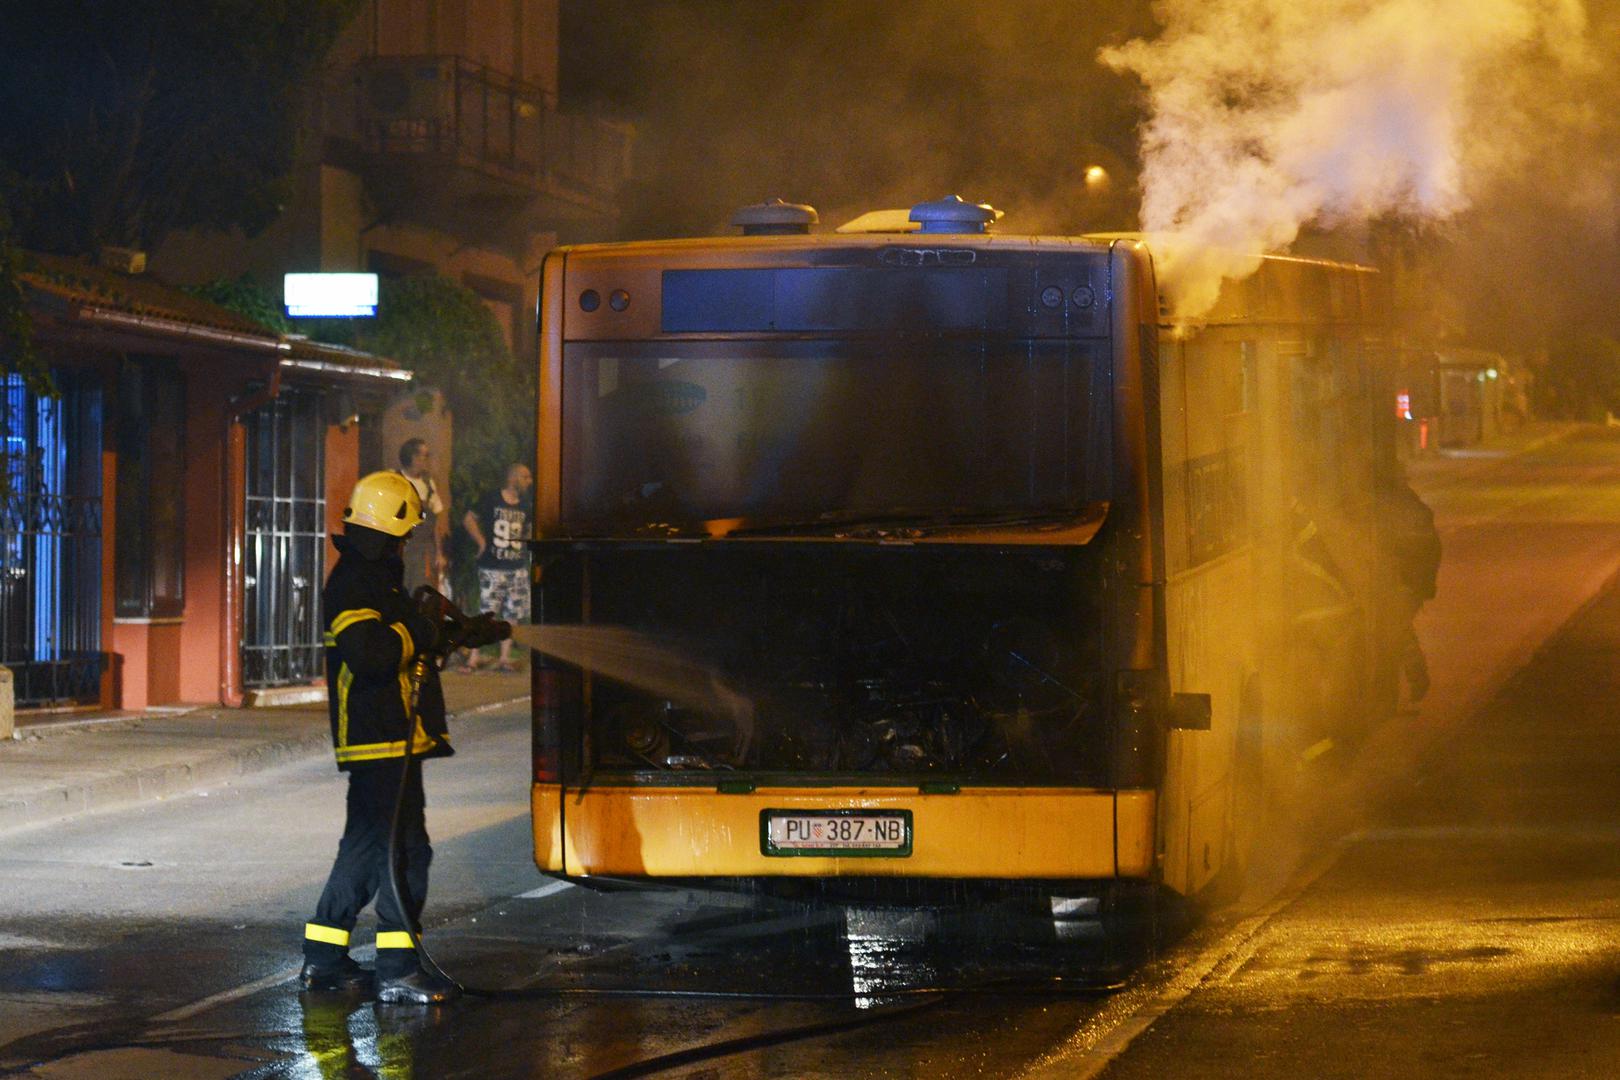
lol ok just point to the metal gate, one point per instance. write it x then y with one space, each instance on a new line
286 541
50 540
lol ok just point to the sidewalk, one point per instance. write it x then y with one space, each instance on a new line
60 765
1443 468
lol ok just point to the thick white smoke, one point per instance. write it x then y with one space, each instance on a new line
1269 115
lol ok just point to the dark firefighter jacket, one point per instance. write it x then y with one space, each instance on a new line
1410 537
373 632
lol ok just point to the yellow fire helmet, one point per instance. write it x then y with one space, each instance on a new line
385 501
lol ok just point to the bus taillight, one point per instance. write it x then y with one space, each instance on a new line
546 690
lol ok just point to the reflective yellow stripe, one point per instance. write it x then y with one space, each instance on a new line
329 934
377 751
371 751
346 619
345 680
330 639
406 653
394 939
407 644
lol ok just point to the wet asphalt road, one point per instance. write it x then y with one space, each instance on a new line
1468 925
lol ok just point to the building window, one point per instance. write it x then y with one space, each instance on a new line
150 553
50 539
286 541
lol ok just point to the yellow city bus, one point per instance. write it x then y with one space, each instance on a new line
1025 583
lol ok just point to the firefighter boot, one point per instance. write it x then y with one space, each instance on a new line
419 987
345 976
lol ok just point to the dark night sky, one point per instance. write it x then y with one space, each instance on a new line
858 104
854 105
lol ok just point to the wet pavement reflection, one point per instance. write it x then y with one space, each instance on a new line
611 984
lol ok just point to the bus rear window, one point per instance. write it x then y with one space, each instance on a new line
677 433
856 661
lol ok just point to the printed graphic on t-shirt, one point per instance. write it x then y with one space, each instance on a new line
506 529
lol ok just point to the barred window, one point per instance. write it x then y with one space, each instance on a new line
150 556
50 539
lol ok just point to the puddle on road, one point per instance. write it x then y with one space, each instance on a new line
780 965
862 955
1361 959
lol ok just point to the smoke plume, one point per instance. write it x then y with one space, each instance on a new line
1268 116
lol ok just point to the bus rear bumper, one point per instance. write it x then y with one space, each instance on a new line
695 832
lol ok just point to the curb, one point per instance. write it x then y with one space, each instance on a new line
155 782
158 782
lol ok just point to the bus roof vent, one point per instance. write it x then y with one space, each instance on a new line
952 215
775 218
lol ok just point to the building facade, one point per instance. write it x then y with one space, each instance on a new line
435 143
165 519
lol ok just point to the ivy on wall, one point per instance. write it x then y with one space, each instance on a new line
247 298
442 331
17 353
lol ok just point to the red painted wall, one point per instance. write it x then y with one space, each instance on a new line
196 645
130 664
342 470
109 537
164 663
147 671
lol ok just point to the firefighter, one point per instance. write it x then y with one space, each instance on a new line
374 635
1407 532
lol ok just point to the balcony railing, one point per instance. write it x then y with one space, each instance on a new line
446 107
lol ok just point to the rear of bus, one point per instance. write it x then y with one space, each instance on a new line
892 492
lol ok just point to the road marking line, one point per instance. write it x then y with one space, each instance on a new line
488 707
186 1012
545 890
1095 1051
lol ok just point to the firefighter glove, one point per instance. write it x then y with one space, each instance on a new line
485 629
449 624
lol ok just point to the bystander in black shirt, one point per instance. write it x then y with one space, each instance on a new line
506 527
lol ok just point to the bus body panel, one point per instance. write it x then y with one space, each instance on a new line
1217 429
1272 421
1135 835
1010 833
548 398
545 805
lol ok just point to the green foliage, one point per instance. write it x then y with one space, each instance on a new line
247 298
1581 379
125 119
17 354
443 332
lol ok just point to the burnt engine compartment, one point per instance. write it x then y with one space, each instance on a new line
933 662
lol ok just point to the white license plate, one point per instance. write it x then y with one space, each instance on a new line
836 832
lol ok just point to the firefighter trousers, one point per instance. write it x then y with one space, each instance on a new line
360 872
